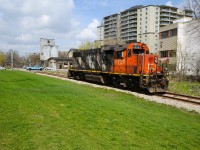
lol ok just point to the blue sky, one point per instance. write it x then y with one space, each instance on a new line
69 22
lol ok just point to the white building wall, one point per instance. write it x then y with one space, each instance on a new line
54 51
48 49
188 49
100 34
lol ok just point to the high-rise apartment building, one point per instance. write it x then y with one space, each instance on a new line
148 27
100 34
111 26
141 24
129 23
169 14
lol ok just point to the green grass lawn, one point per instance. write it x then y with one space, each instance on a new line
38 112
188 88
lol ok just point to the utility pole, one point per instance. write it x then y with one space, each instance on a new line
11 54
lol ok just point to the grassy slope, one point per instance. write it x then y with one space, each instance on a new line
38 112
188 88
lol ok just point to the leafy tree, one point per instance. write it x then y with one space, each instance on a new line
2 58
89 45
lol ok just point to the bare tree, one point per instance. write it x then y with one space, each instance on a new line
62 54
194 5
113 41
194 26
16 58
34 59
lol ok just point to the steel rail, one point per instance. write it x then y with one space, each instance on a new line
181 97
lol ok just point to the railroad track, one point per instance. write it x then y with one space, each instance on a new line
181 97
54 74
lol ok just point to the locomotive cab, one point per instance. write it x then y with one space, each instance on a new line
140 67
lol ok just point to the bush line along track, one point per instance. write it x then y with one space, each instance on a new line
169 95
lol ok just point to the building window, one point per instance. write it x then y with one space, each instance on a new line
164 35
163 54
173 32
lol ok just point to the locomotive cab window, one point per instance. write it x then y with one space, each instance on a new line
129 52
138 51
119 54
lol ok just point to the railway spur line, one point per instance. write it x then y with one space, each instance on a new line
181 97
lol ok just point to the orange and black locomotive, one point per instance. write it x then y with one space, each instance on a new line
128 65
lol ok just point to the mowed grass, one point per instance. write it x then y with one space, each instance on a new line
188 88
38 112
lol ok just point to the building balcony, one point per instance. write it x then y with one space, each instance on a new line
165 19
128 14
124 27
168 10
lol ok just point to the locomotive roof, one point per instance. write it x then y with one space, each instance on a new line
114 47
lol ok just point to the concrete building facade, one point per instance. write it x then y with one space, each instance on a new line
100 34
141 24
128 24
179 47
148 27
48 49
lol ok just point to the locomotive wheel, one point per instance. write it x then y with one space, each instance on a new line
81 76
115 82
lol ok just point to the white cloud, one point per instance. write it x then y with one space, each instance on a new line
169 3
89 33
24 22
104 3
